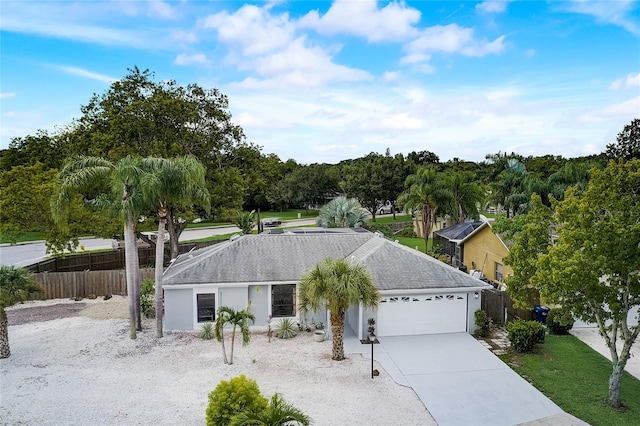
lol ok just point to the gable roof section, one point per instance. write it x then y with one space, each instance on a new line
285 257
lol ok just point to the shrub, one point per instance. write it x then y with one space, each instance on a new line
147 298
407 230
559 321
233 397
380 227
207 332
523 335
286 328
483 322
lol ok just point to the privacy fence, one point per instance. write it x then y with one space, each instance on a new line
499 306
64 285
104 261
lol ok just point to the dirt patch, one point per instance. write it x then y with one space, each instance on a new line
28 315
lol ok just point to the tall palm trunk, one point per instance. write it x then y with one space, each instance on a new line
233 340
130 271
224 351
162 215
337 330
5 350
427 224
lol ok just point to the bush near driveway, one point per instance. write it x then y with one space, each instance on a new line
523 335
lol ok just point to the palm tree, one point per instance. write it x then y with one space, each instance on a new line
278 413
237 319
466 195
122 178
426 193
176 182
16 285
337 284
342 212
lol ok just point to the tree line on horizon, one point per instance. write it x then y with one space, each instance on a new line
138 116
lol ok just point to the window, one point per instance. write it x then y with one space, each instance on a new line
499 272
283 300
206 307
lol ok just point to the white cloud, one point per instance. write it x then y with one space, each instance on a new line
160 9
492 6
628 108
267 46
191 59
364 18
6 95
450 39
612 12
85 73
628 82
251 29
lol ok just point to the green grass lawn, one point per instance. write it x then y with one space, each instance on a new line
27 236
390 219
576 378
414 242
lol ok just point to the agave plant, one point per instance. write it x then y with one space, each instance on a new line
342 212
286 328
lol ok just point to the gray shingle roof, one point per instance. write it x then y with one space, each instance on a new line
285 257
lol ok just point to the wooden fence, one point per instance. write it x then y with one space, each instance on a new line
106 261
499 306
63 285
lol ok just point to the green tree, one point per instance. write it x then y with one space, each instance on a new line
27 151
277 413
16 285
425 193
125 200
337 284
594 268
165 183
627 144
238 320
233 397
341 212
531 241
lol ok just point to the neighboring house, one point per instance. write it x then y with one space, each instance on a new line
419 294
438 224
449 238
484 251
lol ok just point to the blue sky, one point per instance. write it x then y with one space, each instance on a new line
327 81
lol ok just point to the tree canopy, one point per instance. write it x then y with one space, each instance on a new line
593 269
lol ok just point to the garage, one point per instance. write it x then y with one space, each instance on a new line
422 314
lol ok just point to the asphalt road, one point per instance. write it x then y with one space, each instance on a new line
25 254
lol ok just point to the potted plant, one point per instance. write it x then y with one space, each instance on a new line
319 334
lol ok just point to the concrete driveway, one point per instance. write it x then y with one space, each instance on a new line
461 382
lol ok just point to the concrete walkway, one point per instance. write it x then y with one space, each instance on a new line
460 382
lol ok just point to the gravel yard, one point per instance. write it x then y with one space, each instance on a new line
73 363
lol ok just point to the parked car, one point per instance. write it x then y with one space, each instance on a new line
387 209
271 221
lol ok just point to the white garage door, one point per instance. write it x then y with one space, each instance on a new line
422 314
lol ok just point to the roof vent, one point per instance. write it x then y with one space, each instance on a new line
379 234
234 237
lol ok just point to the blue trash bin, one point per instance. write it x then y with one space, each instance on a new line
541 313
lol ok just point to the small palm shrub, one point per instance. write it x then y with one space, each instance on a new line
231 398
147 298
278 413
286 328
523 335
559 321
207 332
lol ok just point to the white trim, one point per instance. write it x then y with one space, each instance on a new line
435 290
230 285
360 320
